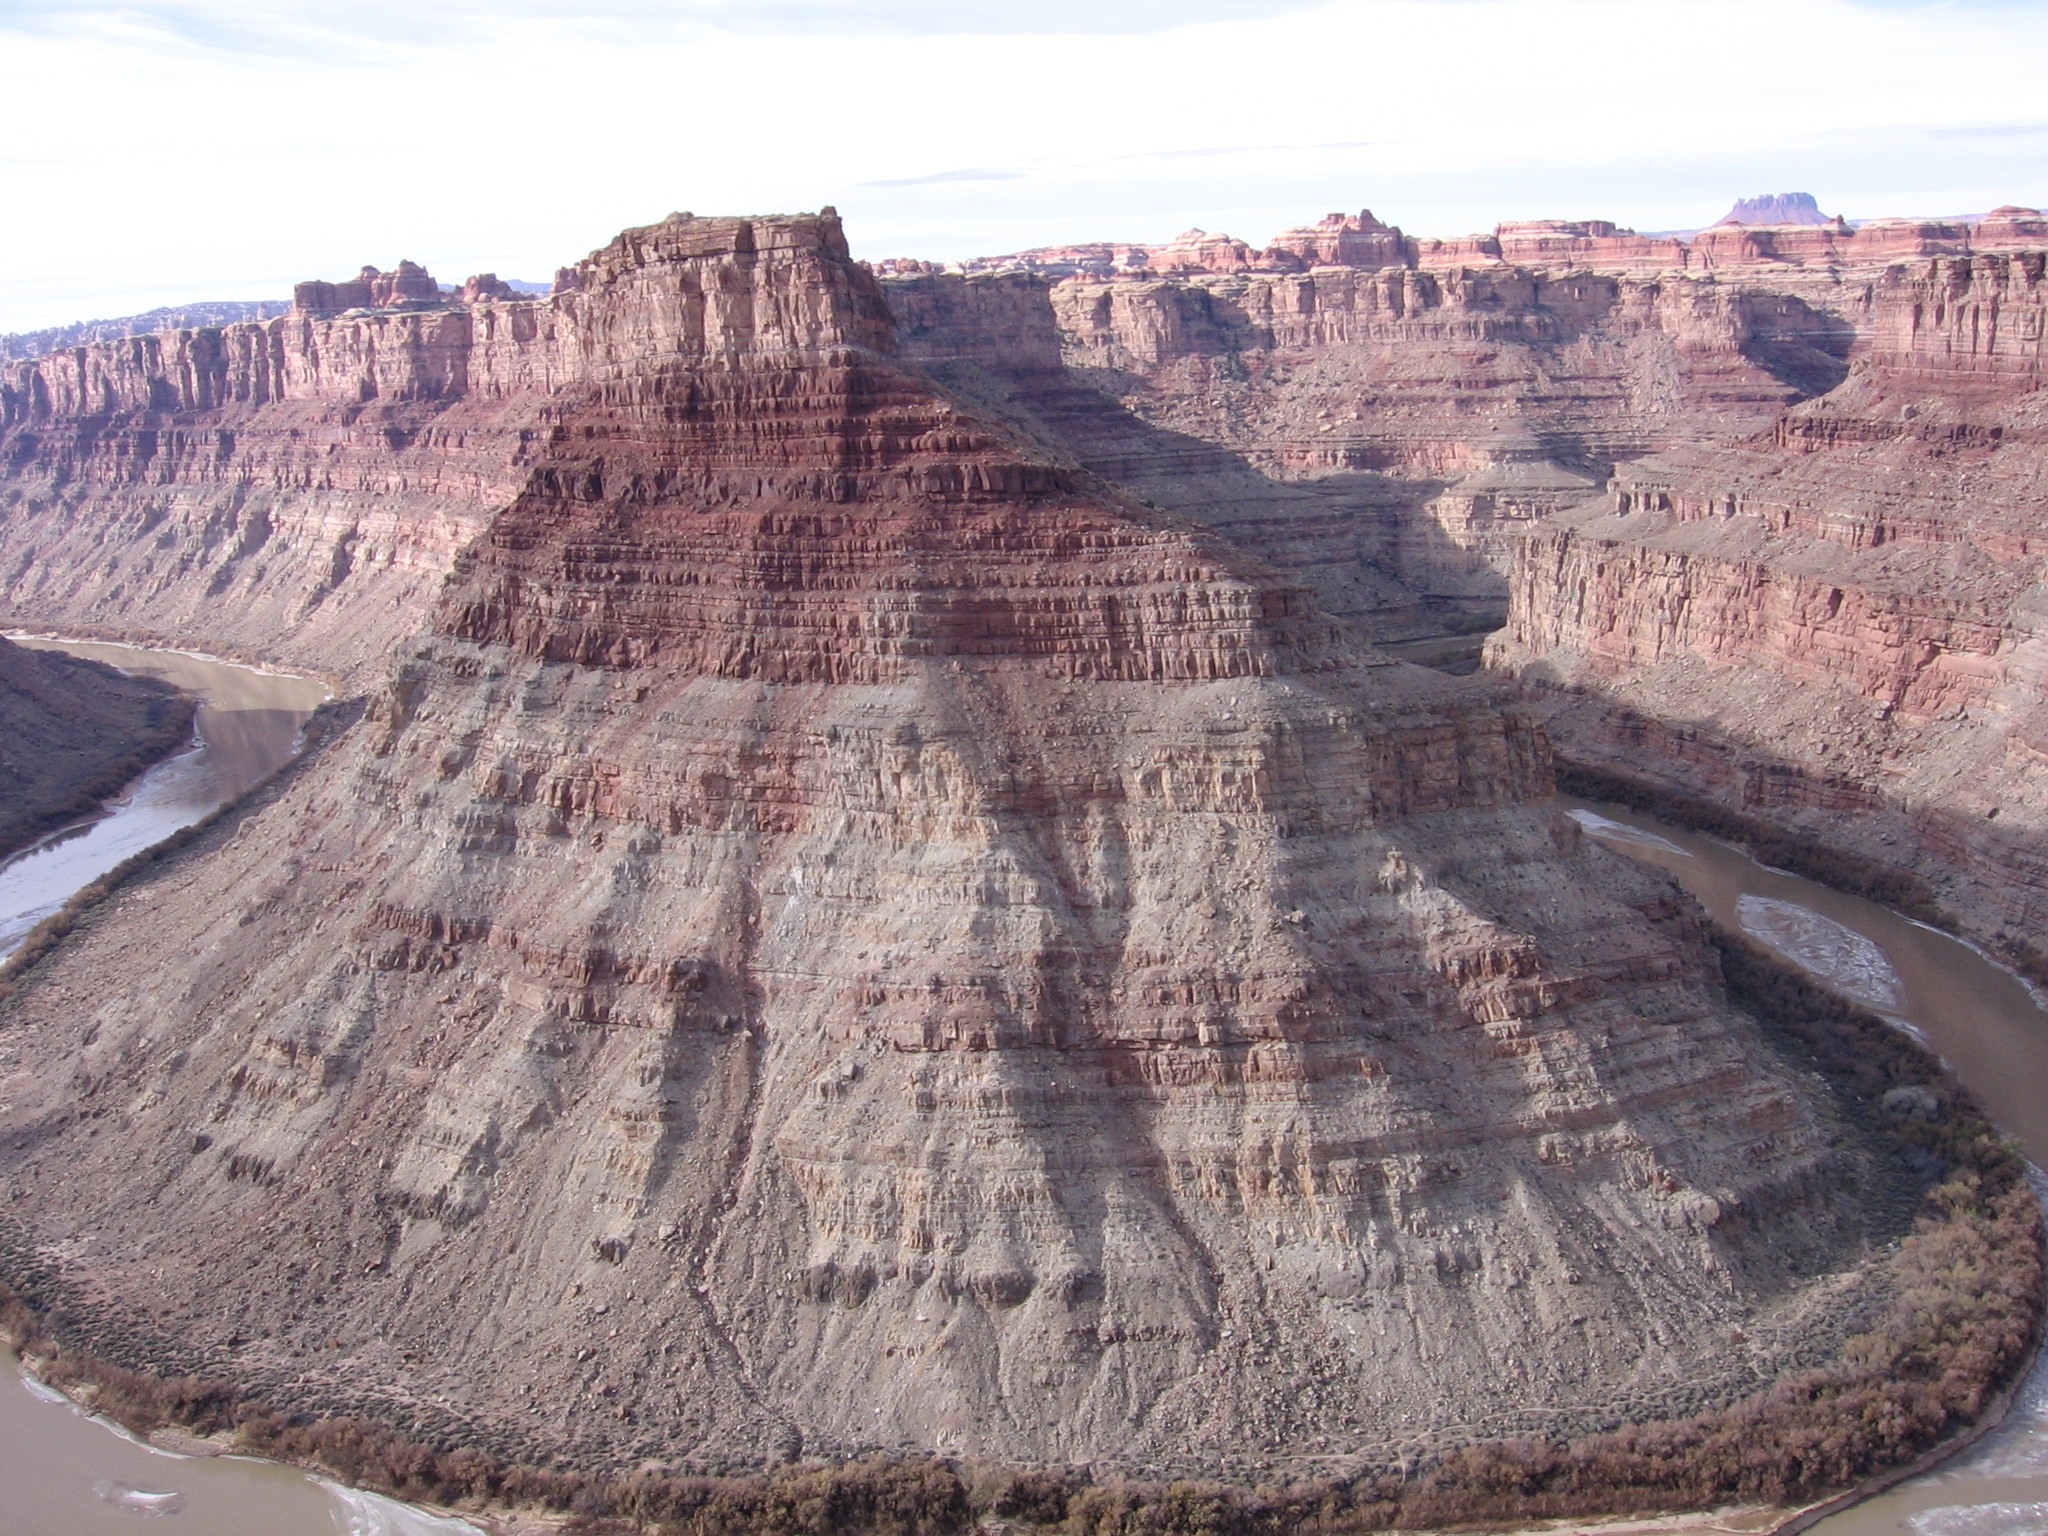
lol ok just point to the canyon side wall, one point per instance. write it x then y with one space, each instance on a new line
293 490
845 932
1837 625
298 488
1381 434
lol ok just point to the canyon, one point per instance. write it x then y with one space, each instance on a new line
1756 508
886 895
71 733
1830 626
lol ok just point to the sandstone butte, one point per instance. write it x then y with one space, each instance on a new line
883 896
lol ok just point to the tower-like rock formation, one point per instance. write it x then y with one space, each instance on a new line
847 932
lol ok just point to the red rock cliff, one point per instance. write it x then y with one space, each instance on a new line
848 932
1384 435
1843 609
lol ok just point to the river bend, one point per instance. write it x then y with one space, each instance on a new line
66 1474
62 1472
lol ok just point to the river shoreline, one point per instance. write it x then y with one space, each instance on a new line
43 806
298 1441
1965 996
375 1454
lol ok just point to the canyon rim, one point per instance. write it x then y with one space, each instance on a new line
886 895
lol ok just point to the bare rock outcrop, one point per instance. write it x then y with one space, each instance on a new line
21 345
1836 625
846 931
1381 435
409 286
1770 237
295 488
1775 208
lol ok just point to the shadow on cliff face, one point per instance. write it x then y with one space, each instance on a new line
1798 345
1290 448
1688 774
1341 534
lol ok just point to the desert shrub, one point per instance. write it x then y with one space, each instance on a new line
1036 1497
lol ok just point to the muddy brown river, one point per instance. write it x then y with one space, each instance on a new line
1989 1026
63 1473
248 724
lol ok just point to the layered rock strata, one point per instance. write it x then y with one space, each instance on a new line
1381 435
846 933
1780 235
1837 625
30 344
72 732
295 489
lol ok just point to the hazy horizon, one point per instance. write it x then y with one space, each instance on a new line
232 150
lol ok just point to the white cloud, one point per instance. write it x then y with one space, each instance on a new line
223 151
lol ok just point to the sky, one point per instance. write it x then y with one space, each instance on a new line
217 149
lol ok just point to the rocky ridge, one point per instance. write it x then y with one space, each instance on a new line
294 489
1811 609
1382 435
1786 231
1775 208
21 345
848 931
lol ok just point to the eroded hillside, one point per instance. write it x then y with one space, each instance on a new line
845 931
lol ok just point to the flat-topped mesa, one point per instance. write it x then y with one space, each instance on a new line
721 288
1803 239
1196 250
408 286
1585 243
1092 258
2010 228
1962 331
1834 244
326 456
1776 208
1344 240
